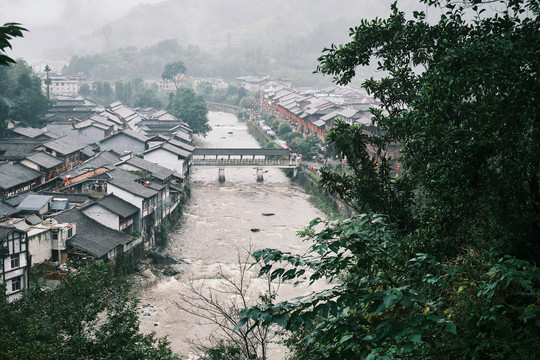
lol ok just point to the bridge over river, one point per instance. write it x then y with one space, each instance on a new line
242 157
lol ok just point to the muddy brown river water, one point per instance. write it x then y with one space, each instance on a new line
220 219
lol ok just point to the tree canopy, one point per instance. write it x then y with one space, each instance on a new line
172 70
190 107
22 90
440 262
87 316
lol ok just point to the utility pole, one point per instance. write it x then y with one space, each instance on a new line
48 81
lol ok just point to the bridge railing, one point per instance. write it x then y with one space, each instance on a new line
244 162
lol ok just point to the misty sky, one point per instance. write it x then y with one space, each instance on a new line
43 12
70 19
55 24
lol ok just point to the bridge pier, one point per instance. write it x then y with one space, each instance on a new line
260 175
295 172
221 175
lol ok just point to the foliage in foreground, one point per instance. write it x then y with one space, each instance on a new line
387 301
85 317
8 31
447 270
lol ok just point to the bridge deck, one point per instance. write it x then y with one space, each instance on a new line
240 152
281 163
239 157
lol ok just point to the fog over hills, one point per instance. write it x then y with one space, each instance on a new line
63 28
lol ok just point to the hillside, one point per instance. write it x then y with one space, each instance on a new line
279 38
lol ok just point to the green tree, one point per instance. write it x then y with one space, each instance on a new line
119 91
48 81
284 128
8 31
23 88
4 113
107 90
191 108
241 93
84 90
308 147
18 84
291 136
205 89
86 316
30 106
147 97
246 102
441 263
271 145
171 71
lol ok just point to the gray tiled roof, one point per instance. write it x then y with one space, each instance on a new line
28 132
92 237
127 181
157 171
34 202
73 198
130 133
156 186
118 206
17 149
100 160
44 160
330 116
60 204
181 135
159 137
6 210
4 231
319 123
15 174
181 145
64 145
171 148
348 112
14 201
102 120
33 219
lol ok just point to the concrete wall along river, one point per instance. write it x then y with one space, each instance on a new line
220 219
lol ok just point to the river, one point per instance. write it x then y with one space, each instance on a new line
220 220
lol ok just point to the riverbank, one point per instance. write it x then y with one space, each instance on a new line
307 179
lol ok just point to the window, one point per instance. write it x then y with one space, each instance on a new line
16 283
15 263
70 232
55 234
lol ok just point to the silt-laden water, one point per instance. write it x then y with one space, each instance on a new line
220 219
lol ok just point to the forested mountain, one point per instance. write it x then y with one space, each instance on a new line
215 38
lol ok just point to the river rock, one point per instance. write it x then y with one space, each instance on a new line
148 274
170 271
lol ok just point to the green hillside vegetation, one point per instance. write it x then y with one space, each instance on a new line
441 261
293 56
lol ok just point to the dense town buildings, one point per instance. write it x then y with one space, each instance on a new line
82 187
94 182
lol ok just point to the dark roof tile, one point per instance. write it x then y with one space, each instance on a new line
92 237
15 174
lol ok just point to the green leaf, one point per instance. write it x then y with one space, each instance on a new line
345 338
451 328
240 324
416 338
